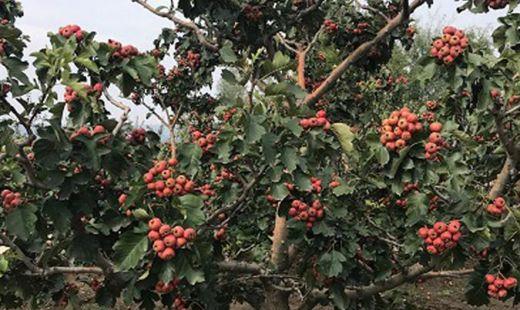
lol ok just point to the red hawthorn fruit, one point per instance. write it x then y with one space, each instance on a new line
178 231
153 235
510 282
164 229
502 293
454 226
440 227
499 202
170 240
154 224
423 232
158 246
190 234
436 127
122 199
431 249
98 129
181 242
167 254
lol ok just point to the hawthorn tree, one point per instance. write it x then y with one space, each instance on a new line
325 176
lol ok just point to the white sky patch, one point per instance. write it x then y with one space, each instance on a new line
129 23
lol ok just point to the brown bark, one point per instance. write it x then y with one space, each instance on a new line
274 298
501 180
301 68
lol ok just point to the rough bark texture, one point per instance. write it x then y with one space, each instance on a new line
274 298
501 180
301 68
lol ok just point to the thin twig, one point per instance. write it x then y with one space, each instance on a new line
120 105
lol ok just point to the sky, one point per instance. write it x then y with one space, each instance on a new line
129 23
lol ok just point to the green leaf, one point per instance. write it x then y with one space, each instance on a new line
227 54
345 136
191 208
417 208
279 191
382 155
293 126
331 263
289 158
269 141
87 63
130 249
280 60
20 222
254 131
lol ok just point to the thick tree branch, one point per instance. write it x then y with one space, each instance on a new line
120 105
185 23
43 272
502 179
359 53
239 267
412 273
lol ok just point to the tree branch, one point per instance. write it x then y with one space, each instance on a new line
412 273
359 53
502 179
185 23
120 105
239 267
43 272
242 198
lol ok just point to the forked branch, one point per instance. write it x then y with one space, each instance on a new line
185 23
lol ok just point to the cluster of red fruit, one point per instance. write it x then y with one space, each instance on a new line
452 44
316 184
10 200
229 114
84 131
498 285
136 136
165 288
253 12
121 51
408 187
72 30
330 26
301 211
435 141
224 174
166 239
497 207
71 95
160 179
441 236
192 60
205 142
399 128
319 121
220 233
432 104
361 27
497 4
207 190
433 203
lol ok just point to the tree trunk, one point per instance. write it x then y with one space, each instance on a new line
274 298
